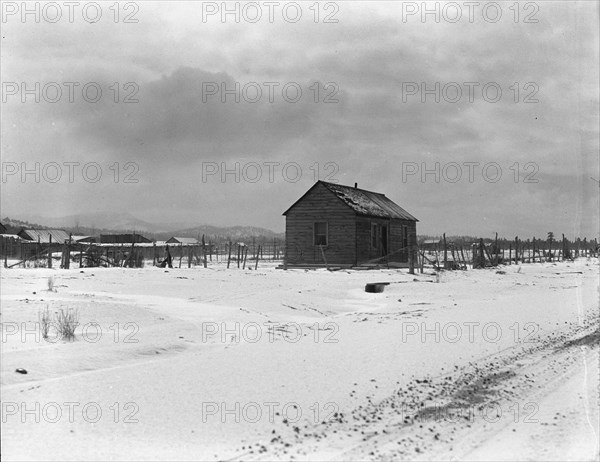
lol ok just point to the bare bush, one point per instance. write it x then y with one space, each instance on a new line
67 321
45 320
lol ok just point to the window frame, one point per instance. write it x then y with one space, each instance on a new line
315 223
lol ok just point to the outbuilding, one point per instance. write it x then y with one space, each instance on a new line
183 240
44 236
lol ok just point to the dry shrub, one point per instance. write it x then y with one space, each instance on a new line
67 321
45 320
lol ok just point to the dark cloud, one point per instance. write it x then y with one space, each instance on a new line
369 134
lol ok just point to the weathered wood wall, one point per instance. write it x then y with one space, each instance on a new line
320 205
364 239
398 251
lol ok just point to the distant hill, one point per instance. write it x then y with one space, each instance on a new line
126 223
105 221
233 233
13 226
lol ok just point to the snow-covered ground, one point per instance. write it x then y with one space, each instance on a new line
218 364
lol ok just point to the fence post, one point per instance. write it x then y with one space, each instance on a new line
482 252
445 253
229 255
50 251
245 252
67 253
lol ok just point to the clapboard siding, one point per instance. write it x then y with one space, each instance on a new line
320 205
367 253
398 251
363 239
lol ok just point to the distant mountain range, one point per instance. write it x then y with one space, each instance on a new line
106 220
94 224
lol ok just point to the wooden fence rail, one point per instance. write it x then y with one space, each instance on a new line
449 255
441 255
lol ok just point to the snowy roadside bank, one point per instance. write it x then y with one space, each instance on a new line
207 364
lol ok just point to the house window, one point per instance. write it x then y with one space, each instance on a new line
374 235
320 233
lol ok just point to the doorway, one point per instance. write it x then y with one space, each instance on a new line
384 240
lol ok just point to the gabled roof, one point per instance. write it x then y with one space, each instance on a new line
183 240
83 238
43 235
363 202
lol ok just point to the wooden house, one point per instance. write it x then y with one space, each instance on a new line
431 245
346 226
3 229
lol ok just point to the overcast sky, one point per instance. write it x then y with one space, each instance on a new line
374 119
